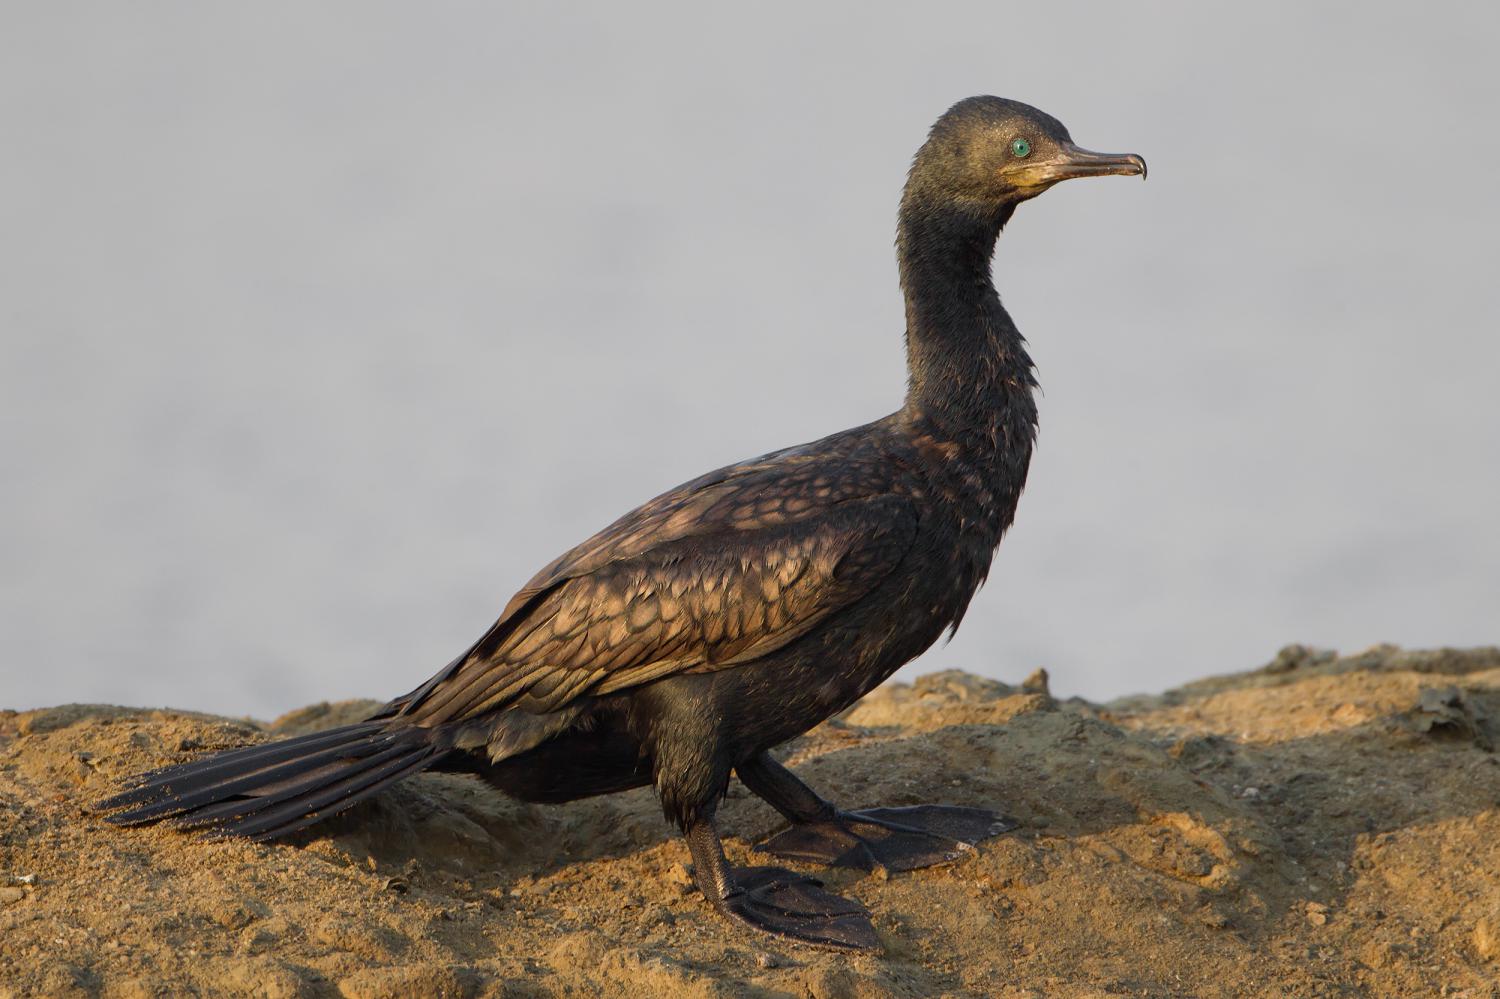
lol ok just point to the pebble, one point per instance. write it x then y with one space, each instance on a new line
1213 919
410 980
10 894
1317 913
656 915
1486 938
1038 682
265 977
262 936
679 875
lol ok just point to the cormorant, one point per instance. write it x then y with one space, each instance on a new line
697 632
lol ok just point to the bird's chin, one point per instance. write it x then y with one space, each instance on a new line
1028 187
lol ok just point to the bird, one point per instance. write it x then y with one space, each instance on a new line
680 645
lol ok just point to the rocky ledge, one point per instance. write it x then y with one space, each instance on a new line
1326 825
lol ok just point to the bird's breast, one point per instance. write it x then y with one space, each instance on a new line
970 487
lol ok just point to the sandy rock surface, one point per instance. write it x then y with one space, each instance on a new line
1324 826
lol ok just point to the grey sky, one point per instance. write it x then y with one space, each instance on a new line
323 326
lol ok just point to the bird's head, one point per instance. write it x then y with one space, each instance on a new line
989 154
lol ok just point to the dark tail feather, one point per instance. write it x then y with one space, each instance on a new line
145 786
159 793
267 791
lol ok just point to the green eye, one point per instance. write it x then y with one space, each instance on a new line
1020 148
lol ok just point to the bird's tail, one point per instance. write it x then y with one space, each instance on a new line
269 790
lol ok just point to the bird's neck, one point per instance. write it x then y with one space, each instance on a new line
970 378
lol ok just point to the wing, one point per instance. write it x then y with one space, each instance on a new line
774 489
721 571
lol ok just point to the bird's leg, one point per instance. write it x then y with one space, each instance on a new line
775 900
875 839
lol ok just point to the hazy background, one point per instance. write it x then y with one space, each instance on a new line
324 326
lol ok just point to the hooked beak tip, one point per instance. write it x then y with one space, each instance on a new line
1076 162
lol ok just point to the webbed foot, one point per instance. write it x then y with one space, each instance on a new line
888 839
794 906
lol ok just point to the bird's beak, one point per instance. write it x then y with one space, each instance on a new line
1070 161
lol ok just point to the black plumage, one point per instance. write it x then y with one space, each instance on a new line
683 642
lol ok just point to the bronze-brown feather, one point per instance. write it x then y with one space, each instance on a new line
646 598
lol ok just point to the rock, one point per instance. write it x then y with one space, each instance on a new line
374 943
1163 841
404 981
845 983
324 714
1446 711
255 978
656 915
1037 683
259 937
129 988
1292 657
1486 938
237 913
65 980
679 875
